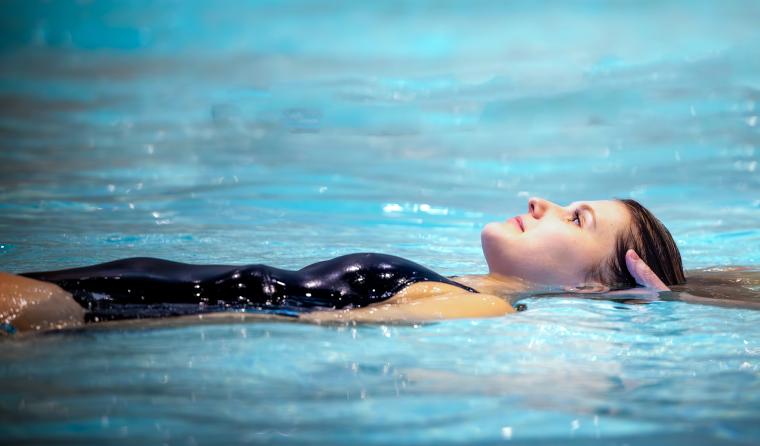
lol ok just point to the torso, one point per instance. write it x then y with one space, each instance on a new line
421 300
145 287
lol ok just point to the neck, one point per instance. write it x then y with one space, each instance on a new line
505 286
495 284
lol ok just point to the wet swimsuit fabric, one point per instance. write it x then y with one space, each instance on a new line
143 287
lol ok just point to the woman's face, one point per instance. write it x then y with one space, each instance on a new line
552 244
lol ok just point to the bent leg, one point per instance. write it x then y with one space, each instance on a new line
28 304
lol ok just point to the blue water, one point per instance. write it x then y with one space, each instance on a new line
291 132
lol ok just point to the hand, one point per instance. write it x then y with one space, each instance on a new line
642 273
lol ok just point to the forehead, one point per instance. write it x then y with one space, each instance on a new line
611 215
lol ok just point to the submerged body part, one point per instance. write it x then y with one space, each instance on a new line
145 287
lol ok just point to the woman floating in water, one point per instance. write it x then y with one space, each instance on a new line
590 246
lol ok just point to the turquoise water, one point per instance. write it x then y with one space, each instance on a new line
291 132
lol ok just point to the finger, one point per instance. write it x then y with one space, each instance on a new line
630 262
642 273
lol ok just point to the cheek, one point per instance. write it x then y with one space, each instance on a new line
567 258
558 247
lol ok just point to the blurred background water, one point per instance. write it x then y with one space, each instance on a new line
292 131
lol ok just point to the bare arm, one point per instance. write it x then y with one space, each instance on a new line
421 302
652 284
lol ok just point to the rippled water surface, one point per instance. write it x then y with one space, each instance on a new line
290 132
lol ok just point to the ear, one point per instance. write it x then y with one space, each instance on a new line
587 288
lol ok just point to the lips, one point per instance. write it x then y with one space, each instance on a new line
520 223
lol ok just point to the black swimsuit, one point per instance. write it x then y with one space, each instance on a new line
145 287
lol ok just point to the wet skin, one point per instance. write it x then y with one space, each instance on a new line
549 245
553 244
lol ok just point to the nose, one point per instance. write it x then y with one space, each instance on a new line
538 207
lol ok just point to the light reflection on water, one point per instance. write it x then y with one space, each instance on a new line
248 133
616 371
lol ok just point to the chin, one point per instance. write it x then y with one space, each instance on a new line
488 237
492 241
492 232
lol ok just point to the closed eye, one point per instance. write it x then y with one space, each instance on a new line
577 217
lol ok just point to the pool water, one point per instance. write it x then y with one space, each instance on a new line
290 132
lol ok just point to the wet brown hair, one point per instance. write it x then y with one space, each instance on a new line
652 242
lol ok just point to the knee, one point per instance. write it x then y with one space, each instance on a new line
29 304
